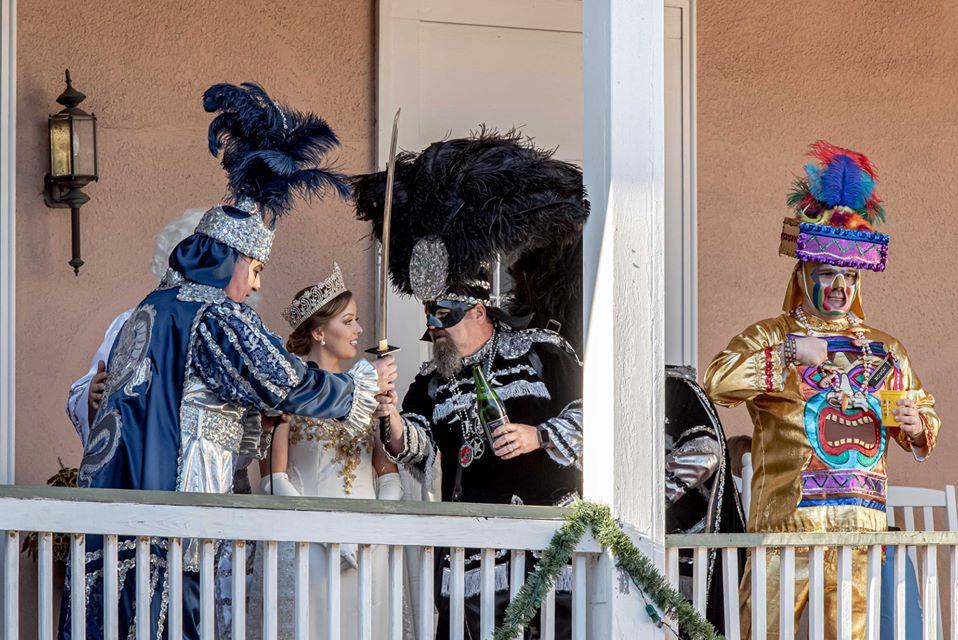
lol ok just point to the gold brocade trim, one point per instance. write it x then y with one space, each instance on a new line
347 445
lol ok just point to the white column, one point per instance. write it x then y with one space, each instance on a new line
8 258
623 85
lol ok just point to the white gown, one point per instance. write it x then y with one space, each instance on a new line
324 461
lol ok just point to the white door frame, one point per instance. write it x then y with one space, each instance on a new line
8 238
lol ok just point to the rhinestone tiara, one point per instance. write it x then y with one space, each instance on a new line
314 298
247 235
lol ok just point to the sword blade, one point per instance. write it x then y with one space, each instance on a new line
387 232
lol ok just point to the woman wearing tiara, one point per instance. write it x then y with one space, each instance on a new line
328 459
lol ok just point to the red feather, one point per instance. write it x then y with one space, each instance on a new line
825 152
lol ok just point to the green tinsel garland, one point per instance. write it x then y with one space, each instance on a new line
598 518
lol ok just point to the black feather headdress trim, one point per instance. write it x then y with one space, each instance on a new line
484 196
270 152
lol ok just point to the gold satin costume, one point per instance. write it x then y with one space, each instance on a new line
819 465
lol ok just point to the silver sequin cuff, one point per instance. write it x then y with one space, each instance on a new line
366 383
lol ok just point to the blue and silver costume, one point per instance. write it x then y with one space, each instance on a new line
190 374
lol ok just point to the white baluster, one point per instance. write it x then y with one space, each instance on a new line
427 569
816 593
700 571
547 615
143 587
332 590
953 604
110 588
45 586
786 597
365 580
672 575
270 610
900 554
174 562
844 622
457 590
730 579
301 591
77 587
11 584
395 592
487 598
874 592
580 596
910 526
517 575
929 592
759 613
207 599
238 589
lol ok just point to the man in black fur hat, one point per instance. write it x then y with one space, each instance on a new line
459 205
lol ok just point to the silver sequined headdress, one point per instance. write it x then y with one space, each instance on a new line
315 298
463 203
271 153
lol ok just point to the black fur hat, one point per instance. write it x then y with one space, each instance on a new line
462 203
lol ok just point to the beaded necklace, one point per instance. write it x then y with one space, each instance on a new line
473 437
853 324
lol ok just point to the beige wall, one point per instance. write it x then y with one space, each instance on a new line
874 76
144 67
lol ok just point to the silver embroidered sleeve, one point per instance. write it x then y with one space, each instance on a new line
690 465
565 431
364 396
418 447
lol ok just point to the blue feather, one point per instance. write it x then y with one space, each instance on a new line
868 186
270 152
842 183
814 176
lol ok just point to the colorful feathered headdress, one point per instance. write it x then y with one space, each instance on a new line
836 211
270 151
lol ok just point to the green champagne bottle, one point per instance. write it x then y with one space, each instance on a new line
491 411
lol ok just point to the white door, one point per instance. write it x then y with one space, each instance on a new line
455 64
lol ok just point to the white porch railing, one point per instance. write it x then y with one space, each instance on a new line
815 545
178 517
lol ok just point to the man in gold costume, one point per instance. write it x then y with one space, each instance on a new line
814 380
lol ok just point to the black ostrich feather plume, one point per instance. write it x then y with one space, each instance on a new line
491 194
271 152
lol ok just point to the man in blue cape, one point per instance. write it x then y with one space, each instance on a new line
194 375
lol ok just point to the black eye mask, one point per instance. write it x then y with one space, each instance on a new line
456 312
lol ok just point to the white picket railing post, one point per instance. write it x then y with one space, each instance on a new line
45 586
110 588
816 593
759 569
873 589
207 590
365 586
700 571
11 585
731 583
844 586
929 592
395 592
174 564
238 589
332 590
487 592
301 591
786 590
901 552
77 586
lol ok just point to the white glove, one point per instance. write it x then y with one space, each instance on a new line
280 485
347 557
390 487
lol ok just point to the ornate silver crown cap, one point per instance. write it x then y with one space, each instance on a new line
314 298
249 235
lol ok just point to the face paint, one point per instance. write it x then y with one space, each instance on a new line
828 289
443 314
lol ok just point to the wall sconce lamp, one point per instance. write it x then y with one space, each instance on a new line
73 163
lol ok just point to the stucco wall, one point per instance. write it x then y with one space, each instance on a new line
874 76
144 67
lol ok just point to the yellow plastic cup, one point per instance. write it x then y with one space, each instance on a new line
889 402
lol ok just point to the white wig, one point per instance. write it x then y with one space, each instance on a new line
170 236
